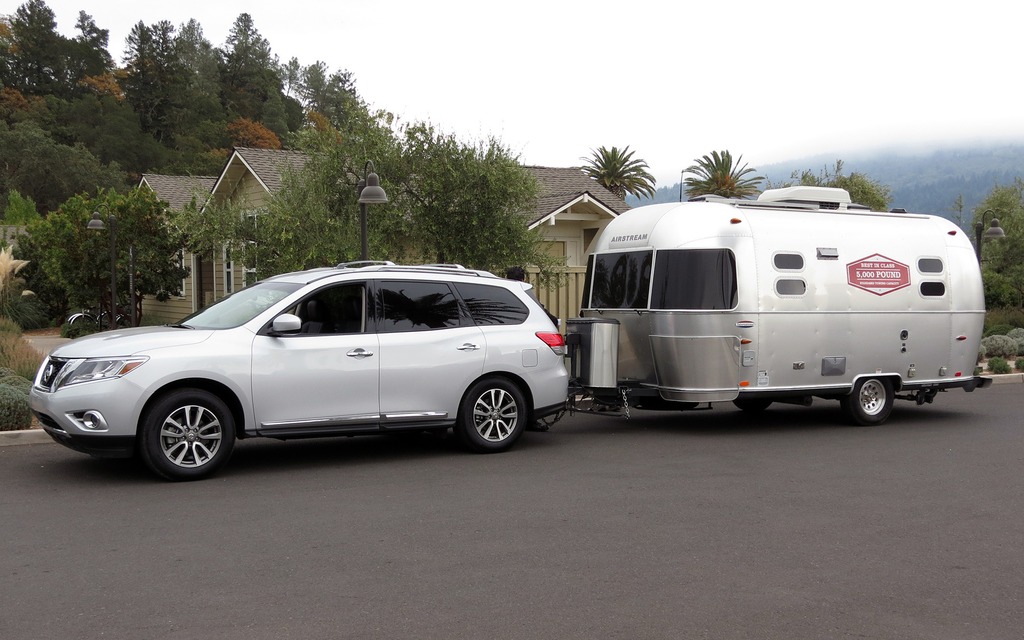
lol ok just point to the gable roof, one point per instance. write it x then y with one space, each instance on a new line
560 188
267 165
178 191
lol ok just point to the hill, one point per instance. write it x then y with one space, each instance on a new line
928 182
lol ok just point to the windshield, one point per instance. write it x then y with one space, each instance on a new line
240 307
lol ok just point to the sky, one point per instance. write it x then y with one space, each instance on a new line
771 81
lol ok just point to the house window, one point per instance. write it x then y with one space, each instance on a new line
229 273
181 264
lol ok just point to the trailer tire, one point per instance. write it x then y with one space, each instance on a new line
870 402
752 405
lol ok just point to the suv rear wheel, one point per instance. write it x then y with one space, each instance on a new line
188 434
492 416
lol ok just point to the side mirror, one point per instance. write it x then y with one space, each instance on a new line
286 323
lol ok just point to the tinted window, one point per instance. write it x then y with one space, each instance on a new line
492 305
621 280
338 309
790 287
933 289
694 279
929 265
788 261
416 306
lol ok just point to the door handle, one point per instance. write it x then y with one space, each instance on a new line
359 353
469 346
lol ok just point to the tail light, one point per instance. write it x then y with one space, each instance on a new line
554 340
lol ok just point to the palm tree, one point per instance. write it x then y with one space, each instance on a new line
718 175
617 171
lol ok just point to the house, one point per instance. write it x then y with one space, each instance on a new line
571 210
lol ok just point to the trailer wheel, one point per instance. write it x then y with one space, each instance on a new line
752 405
870 403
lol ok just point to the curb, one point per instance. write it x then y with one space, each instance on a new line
25 436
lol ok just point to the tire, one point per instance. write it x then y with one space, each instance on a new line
870 403
492 416
186 435
752 405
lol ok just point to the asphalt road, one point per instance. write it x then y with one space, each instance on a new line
683 525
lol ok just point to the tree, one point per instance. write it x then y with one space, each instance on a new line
154 82
247 133
38 56
248 71
718 175
862 189
1003 259
617 171
74 259
19 210
41 168
465 201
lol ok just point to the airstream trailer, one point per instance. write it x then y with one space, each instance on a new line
795 295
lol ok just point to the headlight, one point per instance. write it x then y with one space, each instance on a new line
79 371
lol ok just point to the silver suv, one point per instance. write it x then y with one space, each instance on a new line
348 350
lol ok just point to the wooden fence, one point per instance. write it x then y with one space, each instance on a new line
563 301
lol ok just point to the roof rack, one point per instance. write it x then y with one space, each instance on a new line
356 264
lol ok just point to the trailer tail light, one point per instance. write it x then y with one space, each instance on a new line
961 338
735 221
553 340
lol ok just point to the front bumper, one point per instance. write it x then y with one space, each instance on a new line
100 446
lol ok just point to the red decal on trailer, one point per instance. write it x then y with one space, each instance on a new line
878 274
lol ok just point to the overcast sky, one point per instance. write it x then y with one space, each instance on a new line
773 80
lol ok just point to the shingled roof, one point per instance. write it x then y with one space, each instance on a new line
178 191
560 187
270 165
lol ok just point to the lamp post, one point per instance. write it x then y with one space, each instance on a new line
97 224
370 192
681 174
993 231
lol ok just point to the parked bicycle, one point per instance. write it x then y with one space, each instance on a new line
101 320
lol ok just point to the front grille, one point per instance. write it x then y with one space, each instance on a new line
51 370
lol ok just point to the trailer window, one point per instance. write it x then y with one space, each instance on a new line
929 265
694 279
790 287
620 280
788 261
933 289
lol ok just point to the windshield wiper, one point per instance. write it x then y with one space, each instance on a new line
179 326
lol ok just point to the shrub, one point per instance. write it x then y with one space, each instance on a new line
78 329
17 382
1018 335
1005 316
19 356
14 412
998 330
1019 364
999 346
9 326
998 365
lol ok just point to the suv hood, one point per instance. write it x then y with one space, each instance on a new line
126 342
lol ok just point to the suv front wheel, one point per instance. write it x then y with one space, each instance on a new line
188 434
492 416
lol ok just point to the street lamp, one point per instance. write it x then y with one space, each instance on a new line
96 224
370 192
993 231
